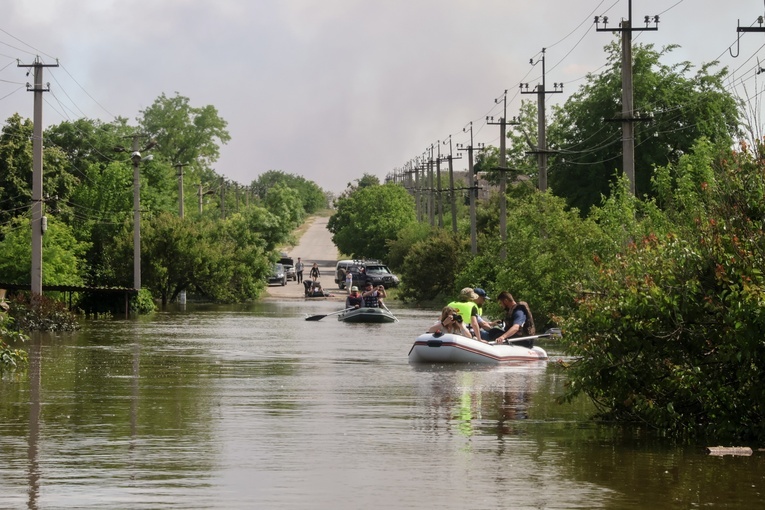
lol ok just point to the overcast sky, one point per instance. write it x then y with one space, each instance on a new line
331 89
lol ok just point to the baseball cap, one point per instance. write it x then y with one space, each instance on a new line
481 293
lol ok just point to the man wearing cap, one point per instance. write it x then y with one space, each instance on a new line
468 310
354 299
483 324
373 295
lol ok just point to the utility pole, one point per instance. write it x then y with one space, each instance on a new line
201 194
135 157
628 110
431 195
541 120
39 222
452 195
179 173
473 190
439 195
502 122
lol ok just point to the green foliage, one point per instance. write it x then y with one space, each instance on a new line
431 266
670 334
590 149
549 256
11 358
62 254
143 303
312 197
400 247
32 312
369 217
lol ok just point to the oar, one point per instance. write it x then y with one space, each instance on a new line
383 305
549 332
320 317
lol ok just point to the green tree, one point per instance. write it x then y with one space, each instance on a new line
312 196
681 108
63 255
370 217
430 268
669 334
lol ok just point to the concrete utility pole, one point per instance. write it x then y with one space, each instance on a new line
452 195
439 195
179 174
541 120
431 195
417 188
39 222
502 122
201 194
135 157
473 189
628 110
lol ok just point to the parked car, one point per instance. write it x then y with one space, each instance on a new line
278 275
363 270
289 266
379 274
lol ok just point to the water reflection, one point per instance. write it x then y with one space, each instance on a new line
254 407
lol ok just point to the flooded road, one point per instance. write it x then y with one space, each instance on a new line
254 407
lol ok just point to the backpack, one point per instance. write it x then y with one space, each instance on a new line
528 328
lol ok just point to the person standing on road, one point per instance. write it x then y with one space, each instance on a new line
348 280
315 274
299 270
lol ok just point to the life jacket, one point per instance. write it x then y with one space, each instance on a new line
371 301
465 308
528 328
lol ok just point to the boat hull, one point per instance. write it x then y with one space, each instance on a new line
368 315
448 348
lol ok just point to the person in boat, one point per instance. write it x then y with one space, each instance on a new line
518 319
484 325
372 295
315 273
354 299
467 308
450 322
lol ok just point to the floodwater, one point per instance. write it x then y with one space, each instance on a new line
254 407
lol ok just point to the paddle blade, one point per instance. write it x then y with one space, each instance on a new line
315 317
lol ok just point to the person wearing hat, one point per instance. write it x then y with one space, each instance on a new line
465 303
484 325
354 299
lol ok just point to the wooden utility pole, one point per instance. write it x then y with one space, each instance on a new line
628 117
541 92
39 222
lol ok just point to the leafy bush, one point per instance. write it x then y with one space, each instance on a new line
671 334
9 357
32 312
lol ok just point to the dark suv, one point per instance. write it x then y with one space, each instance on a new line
363 270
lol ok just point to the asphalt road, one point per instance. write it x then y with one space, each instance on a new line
314 246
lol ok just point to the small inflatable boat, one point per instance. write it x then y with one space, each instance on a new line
448 348
373 315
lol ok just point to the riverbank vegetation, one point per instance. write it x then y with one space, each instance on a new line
220 249
660 293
